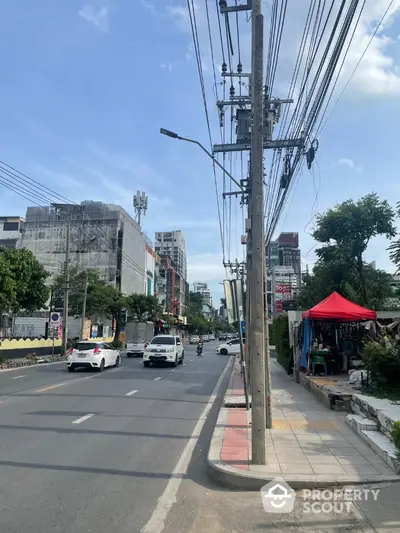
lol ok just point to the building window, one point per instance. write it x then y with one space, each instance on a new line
11 226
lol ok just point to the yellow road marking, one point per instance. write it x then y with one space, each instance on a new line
52 387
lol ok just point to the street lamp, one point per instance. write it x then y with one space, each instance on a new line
174 135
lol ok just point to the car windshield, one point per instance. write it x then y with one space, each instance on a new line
163 340
85 346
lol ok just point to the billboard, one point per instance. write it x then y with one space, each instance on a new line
278 306
289 239
239 294
229 301
283 288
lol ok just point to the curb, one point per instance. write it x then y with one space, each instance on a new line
14 366
230 477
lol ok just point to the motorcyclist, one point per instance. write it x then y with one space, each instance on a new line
200 346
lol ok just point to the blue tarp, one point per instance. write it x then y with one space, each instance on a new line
307 341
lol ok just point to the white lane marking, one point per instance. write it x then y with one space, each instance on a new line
131 393
190 360
157 379
184 364
83 418
168 498
20 377
173 370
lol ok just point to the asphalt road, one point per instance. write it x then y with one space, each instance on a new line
125 451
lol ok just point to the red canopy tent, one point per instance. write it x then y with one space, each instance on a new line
336 307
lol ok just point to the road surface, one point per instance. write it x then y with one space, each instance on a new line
125 451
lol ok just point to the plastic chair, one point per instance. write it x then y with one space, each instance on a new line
318 360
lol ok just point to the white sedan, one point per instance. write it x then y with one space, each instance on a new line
94 355
229 348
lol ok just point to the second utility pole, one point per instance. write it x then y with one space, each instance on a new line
257 261
66 290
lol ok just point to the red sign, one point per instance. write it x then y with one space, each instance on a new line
278 306
283 288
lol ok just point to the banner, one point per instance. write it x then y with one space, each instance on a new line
229 301
239 294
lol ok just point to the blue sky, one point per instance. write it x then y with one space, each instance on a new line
86 87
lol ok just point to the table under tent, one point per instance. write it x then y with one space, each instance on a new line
332 333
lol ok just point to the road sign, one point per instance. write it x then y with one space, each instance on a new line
55 319
243 325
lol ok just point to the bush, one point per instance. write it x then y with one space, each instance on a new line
396 436
382 360
280 338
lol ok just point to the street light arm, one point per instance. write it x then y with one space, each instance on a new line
212 157
174 135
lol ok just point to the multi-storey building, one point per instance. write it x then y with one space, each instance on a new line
102 237
169 286
153 262
172 244
205 292
10 231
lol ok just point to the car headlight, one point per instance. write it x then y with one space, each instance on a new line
170 350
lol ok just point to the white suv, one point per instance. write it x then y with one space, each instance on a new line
164 349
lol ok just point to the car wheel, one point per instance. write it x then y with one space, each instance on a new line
223 351
102 365
175 363
117 362
146 364
71 368
128 355
182 358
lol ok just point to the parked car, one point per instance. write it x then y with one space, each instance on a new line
94 355
212 337
231 347
134 349
222 337
194 339
164 349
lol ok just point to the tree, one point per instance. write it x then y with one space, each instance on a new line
22 281
143 307
346 231
328 277
195 304
102 299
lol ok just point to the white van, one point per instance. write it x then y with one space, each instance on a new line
164 349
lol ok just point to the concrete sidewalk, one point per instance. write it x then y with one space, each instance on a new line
309 445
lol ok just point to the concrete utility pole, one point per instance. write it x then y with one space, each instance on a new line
257 245
66 289
83 320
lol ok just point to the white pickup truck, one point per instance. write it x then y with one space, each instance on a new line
135 349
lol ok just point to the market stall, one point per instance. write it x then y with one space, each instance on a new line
327 327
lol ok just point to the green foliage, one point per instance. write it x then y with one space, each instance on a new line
22 281
143 307
382 360
280 338
117 344
346 231
195 303
396 436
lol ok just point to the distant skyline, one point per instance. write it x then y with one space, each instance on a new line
82 116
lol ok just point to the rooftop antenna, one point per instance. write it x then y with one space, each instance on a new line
140 203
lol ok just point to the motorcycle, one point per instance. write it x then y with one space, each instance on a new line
199 349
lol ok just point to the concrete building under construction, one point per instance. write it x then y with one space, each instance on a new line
102 237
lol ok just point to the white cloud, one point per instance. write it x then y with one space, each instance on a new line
148 5
169 65
206 267
98 17
350 164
